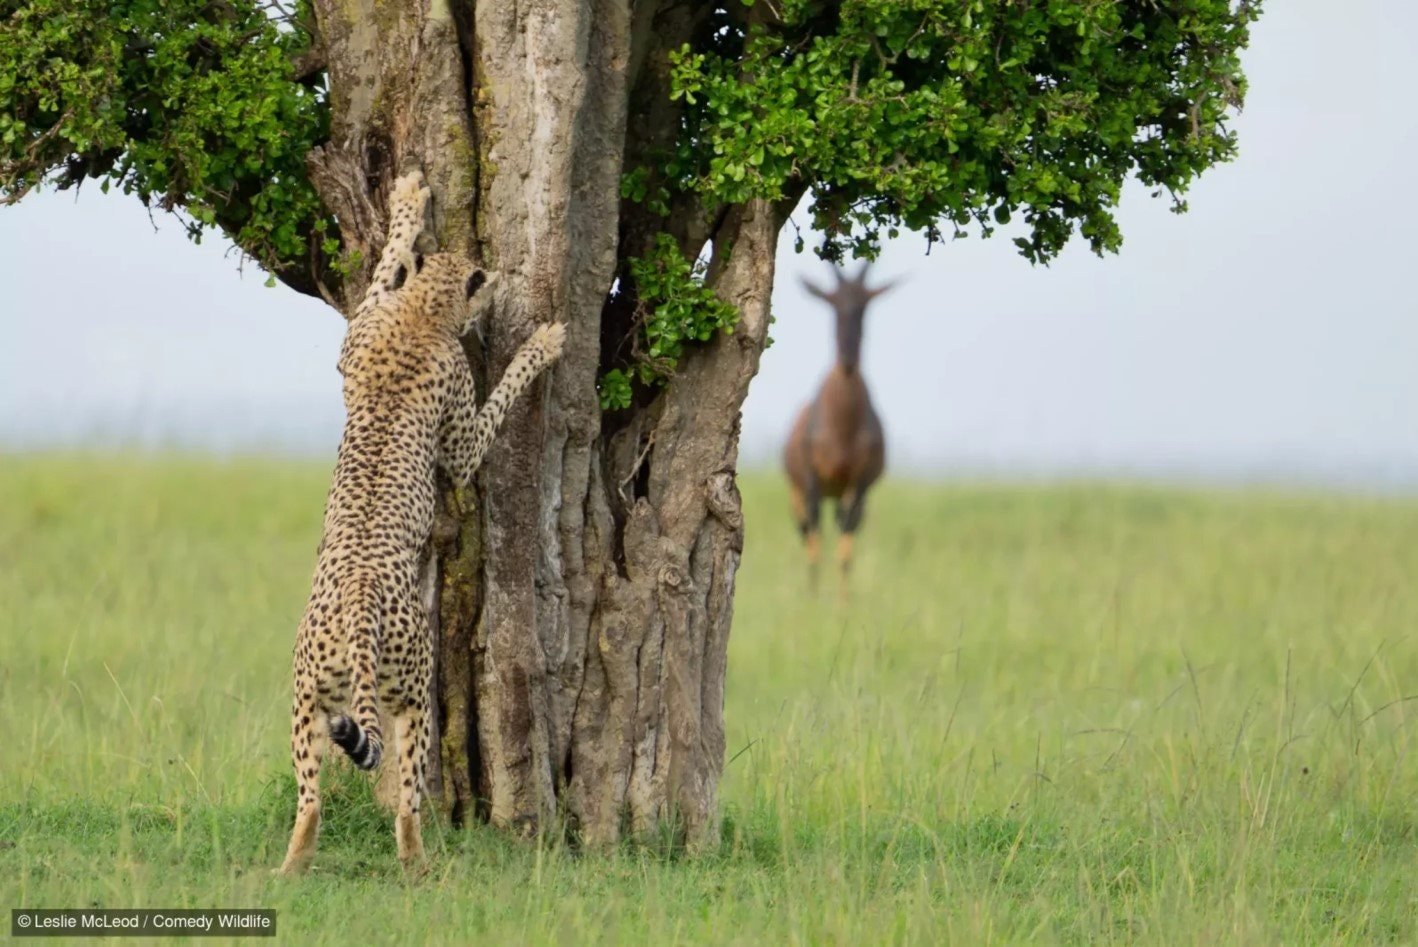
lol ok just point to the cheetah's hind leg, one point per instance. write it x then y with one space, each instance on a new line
411 726
309 738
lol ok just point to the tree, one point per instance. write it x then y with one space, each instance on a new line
625 168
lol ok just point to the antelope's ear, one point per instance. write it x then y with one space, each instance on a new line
815 289
884 287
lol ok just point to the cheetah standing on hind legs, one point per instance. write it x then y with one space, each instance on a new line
364 639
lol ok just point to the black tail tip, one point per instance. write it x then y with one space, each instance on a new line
363 751
343 729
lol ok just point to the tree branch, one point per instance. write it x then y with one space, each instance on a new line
310 65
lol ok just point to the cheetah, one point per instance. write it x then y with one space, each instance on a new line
364 640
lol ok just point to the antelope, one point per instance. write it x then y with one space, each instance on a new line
836 449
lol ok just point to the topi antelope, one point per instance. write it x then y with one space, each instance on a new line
836 448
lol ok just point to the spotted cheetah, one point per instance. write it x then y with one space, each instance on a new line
364 639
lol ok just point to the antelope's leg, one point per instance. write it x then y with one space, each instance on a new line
807 505
849 516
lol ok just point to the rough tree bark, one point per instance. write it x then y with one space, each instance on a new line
585 594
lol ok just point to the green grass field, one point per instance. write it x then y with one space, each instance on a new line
1072 714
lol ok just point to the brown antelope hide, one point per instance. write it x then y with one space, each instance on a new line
836 449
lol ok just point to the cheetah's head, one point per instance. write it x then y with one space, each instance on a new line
450 281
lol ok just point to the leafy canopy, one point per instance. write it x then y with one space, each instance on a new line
933 115
192 104
930 115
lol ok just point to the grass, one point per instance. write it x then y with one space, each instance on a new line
1073 714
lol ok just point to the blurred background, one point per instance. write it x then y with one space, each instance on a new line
1266 336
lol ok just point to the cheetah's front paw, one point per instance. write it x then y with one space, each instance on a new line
550 338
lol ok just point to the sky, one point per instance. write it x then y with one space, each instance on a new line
1269 335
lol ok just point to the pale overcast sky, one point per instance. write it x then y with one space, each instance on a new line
1271 333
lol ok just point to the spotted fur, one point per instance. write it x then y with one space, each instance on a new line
364 644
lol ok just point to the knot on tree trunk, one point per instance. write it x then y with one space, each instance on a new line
675 578
722 495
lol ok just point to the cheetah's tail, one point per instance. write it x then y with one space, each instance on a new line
358 733
355 741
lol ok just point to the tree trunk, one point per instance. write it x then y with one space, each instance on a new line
583 601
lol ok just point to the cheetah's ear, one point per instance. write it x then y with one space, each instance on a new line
480 300
476 281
